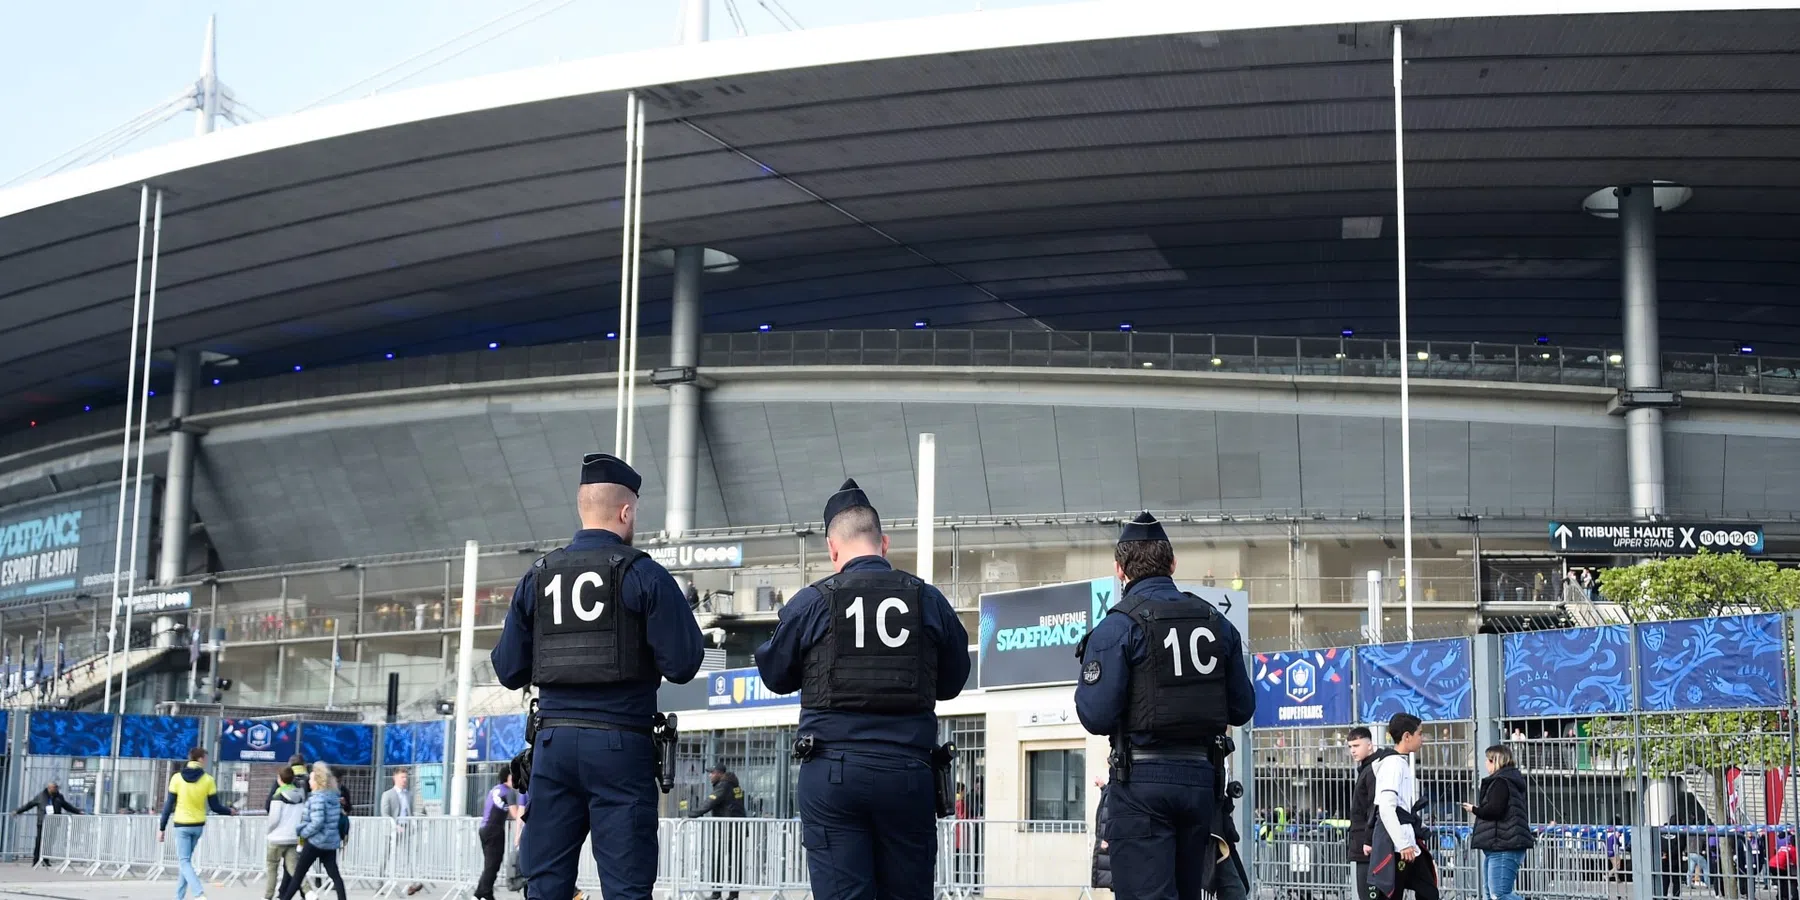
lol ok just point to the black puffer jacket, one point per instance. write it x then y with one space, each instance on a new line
1362 807
1503 817
1102 876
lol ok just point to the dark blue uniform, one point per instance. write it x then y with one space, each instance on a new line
1160 821
587 780
866 799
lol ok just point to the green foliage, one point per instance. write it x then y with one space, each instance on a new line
1706 584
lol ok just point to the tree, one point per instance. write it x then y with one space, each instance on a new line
1704 745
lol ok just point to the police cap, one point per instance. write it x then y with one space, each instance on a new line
1143 528
605 468
848 496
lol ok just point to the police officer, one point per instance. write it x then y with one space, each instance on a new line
871 650
725 802
596 626
1163 675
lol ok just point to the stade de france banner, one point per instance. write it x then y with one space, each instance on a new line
338 743
1028 637
1433 680
1297 688
64 544
742 689
1570 672
1723 662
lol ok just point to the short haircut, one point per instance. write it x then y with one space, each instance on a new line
1500 755
858 523
286 775
1403 724
602 502
197 754
1359 733
1144 559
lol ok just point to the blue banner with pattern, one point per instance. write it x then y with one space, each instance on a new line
1304 687
54 733
1571 672
396 745
158 737
257 740
428 741
1725 662
338 744
1430 679
506 736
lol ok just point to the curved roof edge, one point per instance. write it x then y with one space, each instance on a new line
962 32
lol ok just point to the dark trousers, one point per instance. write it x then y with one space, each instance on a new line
326 858
1158 823
1362 880
37 844
493 850
585 781
869 824
726 869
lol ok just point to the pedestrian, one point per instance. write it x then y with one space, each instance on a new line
871 649
1400 852
322 831
499 807
616 625
296 768
49 802
1502 824
192 794
1101 878
396 805
1357 837
725 802
1163 676
287 808
1784 867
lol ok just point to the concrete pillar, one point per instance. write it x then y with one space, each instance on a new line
178 479
1643 348
681 470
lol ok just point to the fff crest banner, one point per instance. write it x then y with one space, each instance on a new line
1296 688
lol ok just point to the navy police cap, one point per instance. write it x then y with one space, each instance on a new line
848 496
605 468
1143 528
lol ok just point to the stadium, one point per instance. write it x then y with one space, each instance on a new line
1112 257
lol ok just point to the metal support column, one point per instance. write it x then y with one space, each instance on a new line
682 469
1643 354
178 478
694 15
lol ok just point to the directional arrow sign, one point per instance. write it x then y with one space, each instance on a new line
1655 538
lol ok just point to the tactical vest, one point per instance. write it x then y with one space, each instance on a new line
581 633
1179 692
876 656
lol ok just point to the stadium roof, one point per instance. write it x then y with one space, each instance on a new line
1183 166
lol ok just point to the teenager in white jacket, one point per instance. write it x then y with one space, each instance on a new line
287 807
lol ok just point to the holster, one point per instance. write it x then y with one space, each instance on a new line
665 734
943 770
1119 760
520 766
806 747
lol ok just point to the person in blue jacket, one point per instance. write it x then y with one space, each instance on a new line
871 650
1163 676
596 626
322 830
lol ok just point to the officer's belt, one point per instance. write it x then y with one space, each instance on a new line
595 725
1169 755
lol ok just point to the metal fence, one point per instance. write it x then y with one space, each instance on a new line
697 857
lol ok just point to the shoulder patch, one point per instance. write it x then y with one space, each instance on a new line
1090 673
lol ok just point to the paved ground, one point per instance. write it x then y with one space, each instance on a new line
20 882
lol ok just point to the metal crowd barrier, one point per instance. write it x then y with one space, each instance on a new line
697 857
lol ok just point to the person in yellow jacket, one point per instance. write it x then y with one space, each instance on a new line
192 793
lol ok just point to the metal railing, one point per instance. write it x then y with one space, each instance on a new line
696 857
1341 357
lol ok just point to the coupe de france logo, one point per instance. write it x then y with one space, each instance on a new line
259 737
1302 681
719 685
